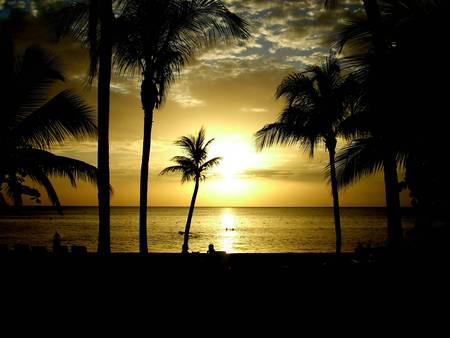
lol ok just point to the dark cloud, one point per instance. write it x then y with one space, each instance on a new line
300 173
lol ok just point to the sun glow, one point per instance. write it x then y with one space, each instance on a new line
239 158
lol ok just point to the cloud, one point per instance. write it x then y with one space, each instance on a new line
181 94
311 59
302 27
309 173
253 110
119 88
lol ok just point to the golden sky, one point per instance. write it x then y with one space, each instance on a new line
230 91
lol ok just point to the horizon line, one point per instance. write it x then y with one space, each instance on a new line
178 206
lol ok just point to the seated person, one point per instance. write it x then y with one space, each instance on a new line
211 249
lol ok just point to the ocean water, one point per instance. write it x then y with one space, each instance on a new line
234 230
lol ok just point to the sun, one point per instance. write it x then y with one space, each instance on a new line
239 158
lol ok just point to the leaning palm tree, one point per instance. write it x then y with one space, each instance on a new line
192 167
318 101
91 22
156 39
31 124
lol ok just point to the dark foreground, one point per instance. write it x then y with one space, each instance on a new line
235 291
220 268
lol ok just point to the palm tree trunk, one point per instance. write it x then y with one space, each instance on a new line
394 220
148 99
185 247
373 14
104 79
334 190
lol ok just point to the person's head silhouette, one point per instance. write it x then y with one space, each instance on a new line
211 248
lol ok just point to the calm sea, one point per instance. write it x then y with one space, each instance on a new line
237 230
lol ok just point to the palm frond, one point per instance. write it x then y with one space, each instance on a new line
187 143
298 89
361 158
43 180
32 123
183 161
172 170
295 127
203 22
30 160
356 33
70 19
35 72
64 116
210 164
14 189
275 134
192 166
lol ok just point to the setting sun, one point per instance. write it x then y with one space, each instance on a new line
238 157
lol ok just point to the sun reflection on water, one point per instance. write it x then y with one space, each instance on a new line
228 235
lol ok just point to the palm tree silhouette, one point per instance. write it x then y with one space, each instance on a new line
318 101
30 124
92 23
156 39
192 167
397 133
381 122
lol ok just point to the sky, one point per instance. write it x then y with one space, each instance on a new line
229 90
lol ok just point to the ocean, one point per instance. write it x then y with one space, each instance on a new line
234 230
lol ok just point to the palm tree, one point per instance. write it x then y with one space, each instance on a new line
318 101
372 70
92 23
157 38
396 97
30 124
192 167
104 81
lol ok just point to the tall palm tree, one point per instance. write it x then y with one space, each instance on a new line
372 69
157 38
30 124
92 23
397 96
104 81
318 101
192 167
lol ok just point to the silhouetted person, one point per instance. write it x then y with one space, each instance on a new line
56 242
211 249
